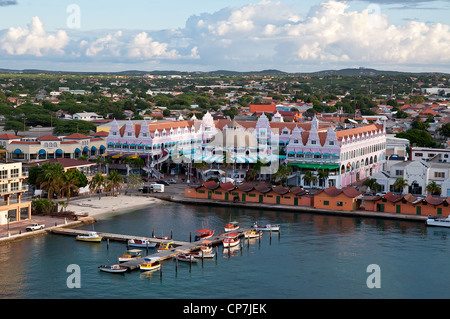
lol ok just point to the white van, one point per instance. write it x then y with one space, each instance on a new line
158 188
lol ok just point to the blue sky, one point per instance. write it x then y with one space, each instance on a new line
205 35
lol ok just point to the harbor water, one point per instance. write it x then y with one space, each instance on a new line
314 256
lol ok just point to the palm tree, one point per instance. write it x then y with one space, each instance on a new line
283 172
97 182
70 182
433 188
114 180
322 174
372 184
399 184
51 178
309 178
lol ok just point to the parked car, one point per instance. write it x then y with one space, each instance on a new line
35 226
162 182
171 181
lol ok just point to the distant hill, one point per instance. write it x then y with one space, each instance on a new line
269 72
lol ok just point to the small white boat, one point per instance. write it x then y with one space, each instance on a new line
130 255
150 264
231 226
253 234
186 257
113 268
268 227
92 236
142 243
438 221
231 240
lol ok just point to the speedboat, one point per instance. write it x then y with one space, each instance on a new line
231 226
203 234
438 221
150 264
92 236
113 268
253 234
130 255
231 240
186 257
165 246
142 243
269 227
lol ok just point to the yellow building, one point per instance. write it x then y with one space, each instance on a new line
11 188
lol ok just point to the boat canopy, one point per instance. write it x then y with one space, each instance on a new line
205 230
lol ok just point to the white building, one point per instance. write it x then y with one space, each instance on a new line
87 116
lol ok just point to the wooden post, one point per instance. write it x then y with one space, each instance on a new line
171 234
153 232
107 243
190 237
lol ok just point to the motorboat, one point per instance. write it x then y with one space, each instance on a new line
231 226
205 251
203 234
142 243
130 255
438 221
150 264
231 240
92 236
165 246
186 257
113 268
268 227
253 234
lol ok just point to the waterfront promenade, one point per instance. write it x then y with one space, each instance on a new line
95 207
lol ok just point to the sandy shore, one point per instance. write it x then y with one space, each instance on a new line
95 207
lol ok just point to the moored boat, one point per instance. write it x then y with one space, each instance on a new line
253 234
203 234
142 243
150 264
438 221
165 246
186 257
231 226
268 227
231 240
130 255
113 268
92 236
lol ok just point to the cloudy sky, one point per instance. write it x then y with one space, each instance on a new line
207 35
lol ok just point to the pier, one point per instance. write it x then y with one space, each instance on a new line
180 247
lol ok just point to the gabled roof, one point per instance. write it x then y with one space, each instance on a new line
211 185
349 191
281 190
7 136
434 200
392 198
228 186
76 136
48 137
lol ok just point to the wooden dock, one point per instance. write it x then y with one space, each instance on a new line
180 247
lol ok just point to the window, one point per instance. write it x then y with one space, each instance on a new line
114 133
129 133
331 143
398 172
439 174
326 203
339 203
313 142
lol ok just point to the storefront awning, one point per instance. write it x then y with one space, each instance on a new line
314 166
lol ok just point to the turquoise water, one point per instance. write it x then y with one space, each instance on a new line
314 256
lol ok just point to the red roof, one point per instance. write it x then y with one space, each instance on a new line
392 198
76 136
228 186
7 136
211 185
270 108
349 191
48 138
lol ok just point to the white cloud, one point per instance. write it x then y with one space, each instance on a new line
145 47
33 40
109 43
